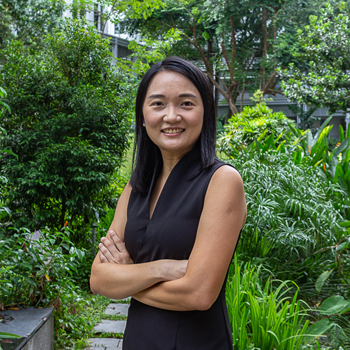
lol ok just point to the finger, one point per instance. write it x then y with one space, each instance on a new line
103 258
117 241
110 246
123 253
107 254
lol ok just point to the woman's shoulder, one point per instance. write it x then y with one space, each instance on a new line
226 182
226 174
225 193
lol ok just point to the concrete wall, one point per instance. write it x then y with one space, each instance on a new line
43 339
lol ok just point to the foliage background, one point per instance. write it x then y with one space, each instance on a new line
69 126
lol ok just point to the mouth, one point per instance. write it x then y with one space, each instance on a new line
172 131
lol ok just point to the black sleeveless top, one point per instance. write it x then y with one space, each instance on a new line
170 234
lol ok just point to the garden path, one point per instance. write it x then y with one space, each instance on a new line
110 326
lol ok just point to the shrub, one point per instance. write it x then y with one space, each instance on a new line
69 127
75 318
4 211
243 128
36 272
293 219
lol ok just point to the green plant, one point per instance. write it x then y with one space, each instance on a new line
77 312
263 316
306 149
254 122
28 20
5 335
314 151
306 119
36 272
234 41
293 220
69 125
323 80
332 321
3 180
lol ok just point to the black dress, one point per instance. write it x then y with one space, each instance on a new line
170 234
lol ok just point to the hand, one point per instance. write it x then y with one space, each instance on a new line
114 251
173 269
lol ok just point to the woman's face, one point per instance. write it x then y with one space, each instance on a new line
173 113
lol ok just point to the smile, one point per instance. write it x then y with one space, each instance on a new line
172 131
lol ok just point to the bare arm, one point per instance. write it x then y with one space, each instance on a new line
116 276
223 216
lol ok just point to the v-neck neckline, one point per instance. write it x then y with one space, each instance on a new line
153 183
166 184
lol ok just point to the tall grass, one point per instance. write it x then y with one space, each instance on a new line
263 316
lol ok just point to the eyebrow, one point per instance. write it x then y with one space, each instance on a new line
162 96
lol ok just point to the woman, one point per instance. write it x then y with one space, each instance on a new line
177 222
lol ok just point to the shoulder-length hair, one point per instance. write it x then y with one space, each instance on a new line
146 153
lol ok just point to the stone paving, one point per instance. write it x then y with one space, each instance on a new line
110 326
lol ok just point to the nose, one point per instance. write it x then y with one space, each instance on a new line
172 115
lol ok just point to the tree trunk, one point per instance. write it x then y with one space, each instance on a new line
232 106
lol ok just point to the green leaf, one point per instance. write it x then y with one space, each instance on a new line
205 35
322 279
5 335
341 133
294 130
344 224
5 105
317 329
268 142
342 246
324 124
8 152
334 305
341 148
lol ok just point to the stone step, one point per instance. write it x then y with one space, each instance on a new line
117 309
110 326
105 344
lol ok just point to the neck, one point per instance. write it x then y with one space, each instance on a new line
168 165
170 160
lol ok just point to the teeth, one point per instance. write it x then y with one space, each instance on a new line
172 131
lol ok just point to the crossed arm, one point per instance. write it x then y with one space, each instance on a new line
171 284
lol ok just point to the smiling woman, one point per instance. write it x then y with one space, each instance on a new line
173 114
177 222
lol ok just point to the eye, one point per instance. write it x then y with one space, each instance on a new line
187 104
157 103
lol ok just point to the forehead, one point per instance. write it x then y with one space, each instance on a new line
171 82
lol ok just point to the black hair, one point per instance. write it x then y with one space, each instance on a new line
148 155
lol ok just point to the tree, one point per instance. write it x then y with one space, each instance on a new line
69 121
113 11
324 80
234 41
28 20
5 26
4 211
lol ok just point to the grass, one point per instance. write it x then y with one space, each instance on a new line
76 317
